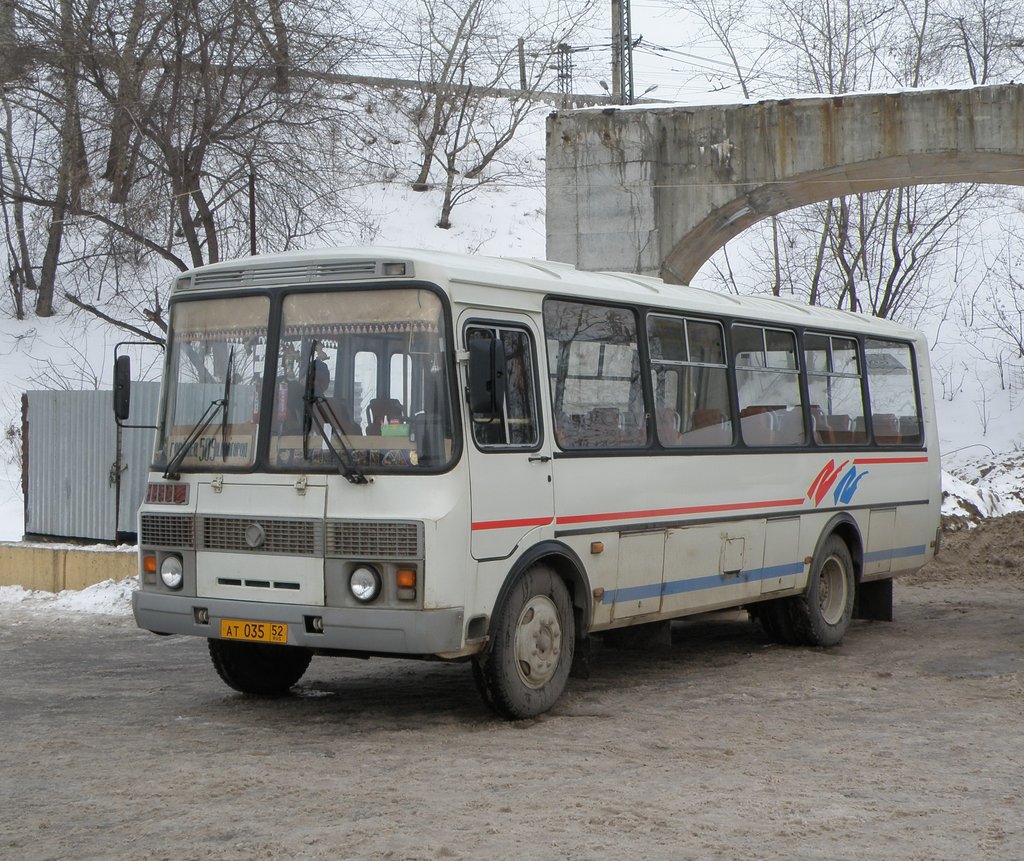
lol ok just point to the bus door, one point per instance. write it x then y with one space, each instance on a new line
509 455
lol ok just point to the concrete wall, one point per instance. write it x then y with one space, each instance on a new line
36 566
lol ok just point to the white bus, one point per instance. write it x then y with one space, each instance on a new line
385 452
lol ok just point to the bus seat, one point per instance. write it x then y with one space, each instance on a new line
841 428
381 410
886 428
668 425
789 428
756 426
706 417
632 429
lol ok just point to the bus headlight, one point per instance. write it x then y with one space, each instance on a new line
364 583
171 572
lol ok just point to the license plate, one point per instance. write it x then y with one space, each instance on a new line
254 632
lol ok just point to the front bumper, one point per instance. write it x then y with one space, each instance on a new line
364 630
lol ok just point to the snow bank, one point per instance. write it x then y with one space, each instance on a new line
982 489
111 597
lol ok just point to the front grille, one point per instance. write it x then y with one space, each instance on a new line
375 539
167 530
281 535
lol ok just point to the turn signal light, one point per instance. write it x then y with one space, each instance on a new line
405 578
149 564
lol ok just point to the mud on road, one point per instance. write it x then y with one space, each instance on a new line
905 742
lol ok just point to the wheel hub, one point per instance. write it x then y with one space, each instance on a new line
832 591
538 641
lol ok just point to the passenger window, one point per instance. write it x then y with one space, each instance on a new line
517 427
834 385
594 366
691 389
365 384
895 418
768 385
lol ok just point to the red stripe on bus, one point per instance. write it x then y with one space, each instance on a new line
890 460
511 524
670 512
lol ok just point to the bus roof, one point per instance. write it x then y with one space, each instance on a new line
540 277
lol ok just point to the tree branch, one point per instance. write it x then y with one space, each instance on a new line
128 327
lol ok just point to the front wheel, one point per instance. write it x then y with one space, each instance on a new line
524 669
258 669
822 614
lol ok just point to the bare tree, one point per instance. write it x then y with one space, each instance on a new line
987 36
867 252
135 130
477 86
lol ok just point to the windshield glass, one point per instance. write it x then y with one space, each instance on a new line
218 349
373 363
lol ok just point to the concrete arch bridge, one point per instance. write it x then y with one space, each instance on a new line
658 190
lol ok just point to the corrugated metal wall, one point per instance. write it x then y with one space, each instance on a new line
71 454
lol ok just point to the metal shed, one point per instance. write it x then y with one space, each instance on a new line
81 477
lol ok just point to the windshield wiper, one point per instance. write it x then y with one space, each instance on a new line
317 410
197 431
227 393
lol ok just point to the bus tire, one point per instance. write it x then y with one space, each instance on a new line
258 669
775 619
822 613
523 671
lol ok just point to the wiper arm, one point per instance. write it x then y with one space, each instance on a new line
316 408
321 412
197 431
227 393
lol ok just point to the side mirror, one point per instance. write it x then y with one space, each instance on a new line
486 377
122 387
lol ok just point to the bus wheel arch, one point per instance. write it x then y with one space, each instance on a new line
564 561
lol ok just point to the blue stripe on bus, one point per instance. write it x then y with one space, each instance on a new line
895 553
696 584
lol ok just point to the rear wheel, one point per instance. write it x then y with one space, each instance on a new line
774 617
524 669
258 669
822 613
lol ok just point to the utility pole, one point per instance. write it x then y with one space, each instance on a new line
622 53
252 211
564 71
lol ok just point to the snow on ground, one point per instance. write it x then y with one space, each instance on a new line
111 597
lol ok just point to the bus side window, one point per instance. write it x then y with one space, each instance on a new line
594 371
768 385
691 388
834 383
892 390
518 426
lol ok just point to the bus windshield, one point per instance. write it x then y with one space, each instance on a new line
370 365
212 393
